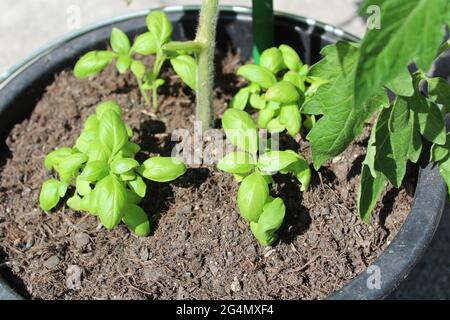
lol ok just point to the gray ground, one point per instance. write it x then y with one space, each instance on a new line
28 24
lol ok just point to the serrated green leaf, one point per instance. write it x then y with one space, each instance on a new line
112 131
186 67
291 58
415 145
252 196
136 219
163 169
257 74
283 92
111 197
159 25
92 63
95 171
237 162
343 120
144 44
138 186
429 118
439 152
49 195
56 156
385 52
439 91
272 59
392 141
240 129
370 190
291 118
269 222
402 84
120 166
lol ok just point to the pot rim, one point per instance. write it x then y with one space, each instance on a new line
407 247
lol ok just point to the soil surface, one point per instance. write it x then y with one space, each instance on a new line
199 248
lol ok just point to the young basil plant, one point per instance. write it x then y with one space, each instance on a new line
277 88
108 180
264 213
148 43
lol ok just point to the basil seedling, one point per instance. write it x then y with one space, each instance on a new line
256 206
107 179
277 88
149 43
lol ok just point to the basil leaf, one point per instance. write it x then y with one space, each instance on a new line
257 101
269 222
97 151
120 166
370 190
136 219
85 139
89 202
74 202
83 187
95 170
387 51
295 79
291 58
132 197
145 44
56 156
159 26
107 106
237 162
343 120
252 196
265 116
111 199
275 126
123 63
49 195
138 186
130 149
92 63
283 92
272 59
112 131
290 117
186 67
274 161
301 170
240 129
91 122
138 69
257 74
120 42
68 167
240 99
163 169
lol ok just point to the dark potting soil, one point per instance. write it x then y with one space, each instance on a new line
199 248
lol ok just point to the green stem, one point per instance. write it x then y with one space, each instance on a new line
206 36
444 47
263 27
143 93
155 97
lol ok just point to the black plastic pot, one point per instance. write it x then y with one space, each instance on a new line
25 84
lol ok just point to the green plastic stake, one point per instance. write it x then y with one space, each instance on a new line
263 27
